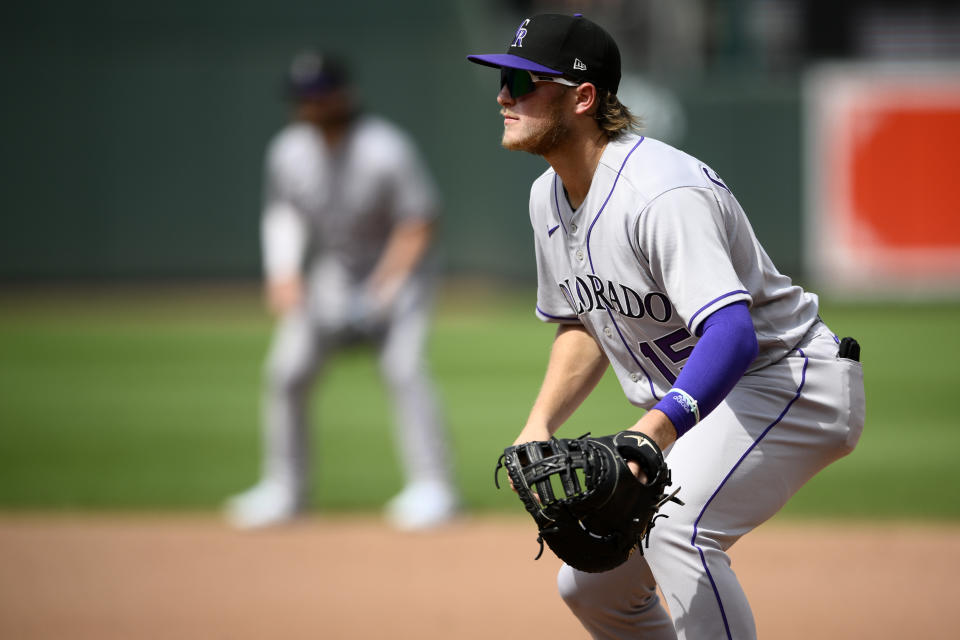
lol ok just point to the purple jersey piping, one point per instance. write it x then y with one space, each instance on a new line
626 344
622 339
604 205
696 523
719 183
593 271
556 203
553 317
704 307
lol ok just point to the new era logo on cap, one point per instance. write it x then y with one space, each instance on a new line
578 65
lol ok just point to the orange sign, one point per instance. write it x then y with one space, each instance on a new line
883 162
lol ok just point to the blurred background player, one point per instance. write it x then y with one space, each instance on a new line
348 220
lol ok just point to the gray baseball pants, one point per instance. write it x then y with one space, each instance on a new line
737 468
302 346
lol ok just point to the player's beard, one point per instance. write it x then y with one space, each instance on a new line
544 136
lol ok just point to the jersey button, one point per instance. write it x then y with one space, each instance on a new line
607 332
573 227
579 255
634 377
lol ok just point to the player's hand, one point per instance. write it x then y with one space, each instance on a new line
369 309
658 427
382 292
284 295
637 471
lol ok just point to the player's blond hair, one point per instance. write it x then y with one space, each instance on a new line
614 118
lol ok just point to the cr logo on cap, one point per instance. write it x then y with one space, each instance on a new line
521 32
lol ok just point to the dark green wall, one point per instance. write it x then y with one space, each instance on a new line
132 136
750 134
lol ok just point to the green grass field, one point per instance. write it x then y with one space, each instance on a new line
150 401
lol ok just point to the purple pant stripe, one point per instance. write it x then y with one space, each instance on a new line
696 524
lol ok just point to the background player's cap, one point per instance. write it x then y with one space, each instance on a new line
555 44
314 73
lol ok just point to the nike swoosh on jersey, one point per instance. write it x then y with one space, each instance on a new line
550 232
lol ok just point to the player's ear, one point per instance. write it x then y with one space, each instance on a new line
586 99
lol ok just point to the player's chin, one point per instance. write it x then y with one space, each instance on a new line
538 140
513 142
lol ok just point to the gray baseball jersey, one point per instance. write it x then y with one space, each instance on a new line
349 197
658 245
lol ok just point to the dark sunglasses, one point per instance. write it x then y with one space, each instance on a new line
520 82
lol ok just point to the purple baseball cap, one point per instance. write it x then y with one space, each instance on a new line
561 45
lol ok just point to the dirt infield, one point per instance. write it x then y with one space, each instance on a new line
182 577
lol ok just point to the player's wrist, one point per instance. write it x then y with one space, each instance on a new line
657 425
284 294
533 432
681 408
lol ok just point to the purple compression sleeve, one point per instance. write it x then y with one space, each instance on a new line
726 348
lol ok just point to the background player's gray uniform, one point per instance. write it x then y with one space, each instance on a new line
657 246
340 206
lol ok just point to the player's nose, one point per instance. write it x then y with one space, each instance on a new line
504 97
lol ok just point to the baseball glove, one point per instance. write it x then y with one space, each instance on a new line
589 507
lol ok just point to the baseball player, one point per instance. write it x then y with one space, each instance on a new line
648 264
348 218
